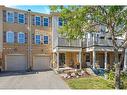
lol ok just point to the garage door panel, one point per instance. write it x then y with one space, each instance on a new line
16 62
41 63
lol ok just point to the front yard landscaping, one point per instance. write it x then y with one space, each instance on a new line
92 82
87 79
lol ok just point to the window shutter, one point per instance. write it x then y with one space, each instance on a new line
4 15
4 36
41 21
33 20
26 18
26 37
33 37
15 37
15 17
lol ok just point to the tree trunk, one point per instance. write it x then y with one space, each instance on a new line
117 70
122 59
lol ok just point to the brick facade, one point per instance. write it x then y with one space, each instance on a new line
17 48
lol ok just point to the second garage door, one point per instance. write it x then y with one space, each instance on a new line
16 63
41 63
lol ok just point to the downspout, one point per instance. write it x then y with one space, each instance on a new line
29 66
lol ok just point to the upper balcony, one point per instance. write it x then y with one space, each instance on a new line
63 42
93 40
102 42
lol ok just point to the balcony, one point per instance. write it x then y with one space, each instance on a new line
86 42
102 42
63 42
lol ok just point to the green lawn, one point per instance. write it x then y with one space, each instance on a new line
90 83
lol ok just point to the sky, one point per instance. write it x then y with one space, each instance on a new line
34 8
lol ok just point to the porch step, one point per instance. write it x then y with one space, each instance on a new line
63 70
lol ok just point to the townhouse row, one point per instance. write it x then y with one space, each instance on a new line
30 40
25 39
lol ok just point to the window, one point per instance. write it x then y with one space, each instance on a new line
102 28
37 20
10 37
21 18
10 17
46 21
60 22
21 38
45 39
37 39
102 37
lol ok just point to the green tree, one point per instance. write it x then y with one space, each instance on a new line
82 19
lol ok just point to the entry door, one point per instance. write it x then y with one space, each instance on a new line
102 58
61 59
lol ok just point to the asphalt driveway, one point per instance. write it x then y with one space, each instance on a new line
31 80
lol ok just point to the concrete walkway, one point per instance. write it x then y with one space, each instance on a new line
31 80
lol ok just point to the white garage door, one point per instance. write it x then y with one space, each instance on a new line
41 63
16 62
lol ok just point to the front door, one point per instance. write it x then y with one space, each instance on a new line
101 57
62 59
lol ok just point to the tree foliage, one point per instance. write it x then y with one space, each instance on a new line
82 19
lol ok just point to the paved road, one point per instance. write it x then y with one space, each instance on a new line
31 80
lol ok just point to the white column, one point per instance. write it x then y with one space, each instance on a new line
80 59
125 60
53 59
57 60
94 58
93 39
105 64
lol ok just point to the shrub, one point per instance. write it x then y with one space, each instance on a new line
123 75
112 68
111 75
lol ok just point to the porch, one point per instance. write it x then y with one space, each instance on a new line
101 59
67 60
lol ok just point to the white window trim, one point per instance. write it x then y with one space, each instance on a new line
35 20
7 16
23 18
7 41
43 21
35 39
18 37
44 39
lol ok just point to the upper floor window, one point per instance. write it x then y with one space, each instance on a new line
46 21
45 39
37 39
37 20
10 37
102 28
60 22
10 17
21 18
21 38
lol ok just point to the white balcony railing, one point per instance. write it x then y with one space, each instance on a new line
63 42
102 42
